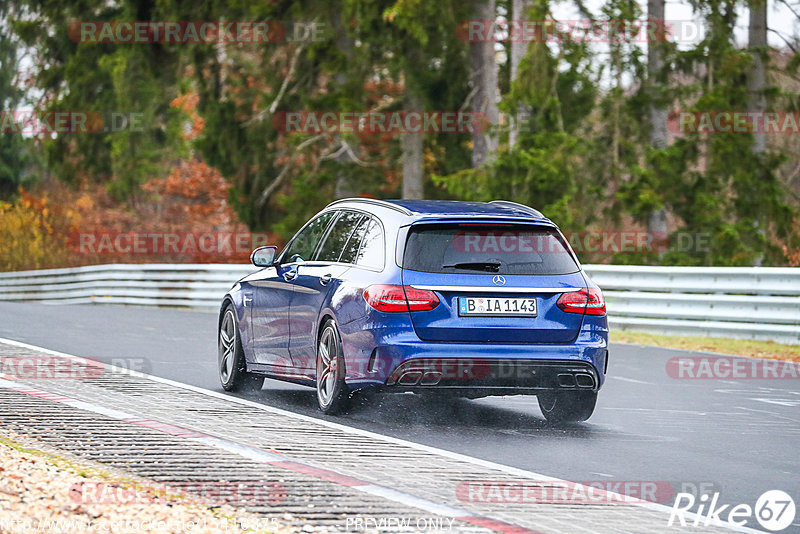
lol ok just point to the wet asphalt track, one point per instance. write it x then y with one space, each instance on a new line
741 436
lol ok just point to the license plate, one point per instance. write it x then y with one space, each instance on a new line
497 307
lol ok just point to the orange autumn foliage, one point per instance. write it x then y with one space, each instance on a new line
188 103
59 226
28 233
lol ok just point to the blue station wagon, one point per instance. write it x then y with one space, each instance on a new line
465 299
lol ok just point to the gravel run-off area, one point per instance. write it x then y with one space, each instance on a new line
49 492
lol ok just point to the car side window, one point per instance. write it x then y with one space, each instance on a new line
302 247
372 251
335 241
350 251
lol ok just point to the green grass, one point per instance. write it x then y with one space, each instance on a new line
722 345
59 461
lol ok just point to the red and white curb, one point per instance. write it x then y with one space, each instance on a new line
280 460
275 459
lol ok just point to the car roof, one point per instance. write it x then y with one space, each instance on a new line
448 208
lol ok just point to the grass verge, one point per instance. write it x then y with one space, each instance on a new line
720 345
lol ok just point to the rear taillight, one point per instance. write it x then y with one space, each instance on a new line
589 301
388 298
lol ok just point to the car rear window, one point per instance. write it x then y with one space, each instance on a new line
471 248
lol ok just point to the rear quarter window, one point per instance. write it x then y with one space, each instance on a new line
338 236
474 249
372 251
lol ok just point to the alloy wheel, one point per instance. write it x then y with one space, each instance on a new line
227 346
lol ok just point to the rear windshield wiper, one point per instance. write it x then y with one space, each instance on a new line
487 266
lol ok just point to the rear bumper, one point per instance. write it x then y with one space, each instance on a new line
380 348
485 368
492 376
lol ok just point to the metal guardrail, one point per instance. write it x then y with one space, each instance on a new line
742 302
185 285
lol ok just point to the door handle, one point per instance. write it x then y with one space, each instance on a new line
324 279
290 275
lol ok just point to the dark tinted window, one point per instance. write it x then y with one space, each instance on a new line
354 243
492 249
372 250
302 246
340 232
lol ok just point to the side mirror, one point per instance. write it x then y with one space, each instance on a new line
264 256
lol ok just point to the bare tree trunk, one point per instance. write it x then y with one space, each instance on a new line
345 184
757 80
484 85
655 75
411 144
519 48
657 222
221 55
616 134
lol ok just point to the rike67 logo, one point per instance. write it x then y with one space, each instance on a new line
774 510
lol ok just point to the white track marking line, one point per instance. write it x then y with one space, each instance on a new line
631 380
279 460
366 433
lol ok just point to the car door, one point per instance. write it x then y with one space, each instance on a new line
272 294
315 280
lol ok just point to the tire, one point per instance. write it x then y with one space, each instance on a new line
230 361
333 395
567 406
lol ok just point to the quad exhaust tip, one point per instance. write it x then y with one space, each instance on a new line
580 380
410 378
566 380
431 378
428 377
423 378
584 380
